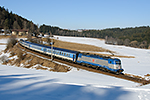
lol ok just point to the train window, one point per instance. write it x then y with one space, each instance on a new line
118 62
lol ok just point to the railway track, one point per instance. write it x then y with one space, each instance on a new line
122 76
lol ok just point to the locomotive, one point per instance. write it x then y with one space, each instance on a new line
95 61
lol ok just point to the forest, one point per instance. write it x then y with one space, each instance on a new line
10 21
138 37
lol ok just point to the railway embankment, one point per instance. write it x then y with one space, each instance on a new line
19 57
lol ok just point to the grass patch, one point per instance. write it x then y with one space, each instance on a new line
85 48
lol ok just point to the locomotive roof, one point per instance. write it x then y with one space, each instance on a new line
56 48
95 56
101 57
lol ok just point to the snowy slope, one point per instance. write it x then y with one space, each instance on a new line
30 84
26 84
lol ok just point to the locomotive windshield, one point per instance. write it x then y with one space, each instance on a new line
118 62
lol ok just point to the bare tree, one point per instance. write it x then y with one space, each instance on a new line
149 46
29 37
4 59
119 41
134 44
126 42
48 40
106 39
11 42
143 44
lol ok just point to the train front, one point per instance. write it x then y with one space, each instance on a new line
117 65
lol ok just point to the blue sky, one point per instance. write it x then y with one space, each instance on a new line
83 14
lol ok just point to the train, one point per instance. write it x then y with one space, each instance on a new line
89 60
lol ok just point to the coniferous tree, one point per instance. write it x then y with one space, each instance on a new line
16 25
6 24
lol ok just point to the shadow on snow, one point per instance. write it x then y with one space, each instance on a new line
18 87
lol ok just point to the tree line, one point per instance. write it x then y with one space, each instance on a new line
8 21
138 37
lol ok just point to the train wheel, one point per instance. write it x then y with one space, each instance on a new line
97 68
117 73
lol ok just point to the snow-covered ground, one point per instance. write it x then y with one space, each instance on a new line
139 65
29 84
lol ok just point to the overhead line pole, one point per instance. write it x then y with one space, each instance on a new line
52 50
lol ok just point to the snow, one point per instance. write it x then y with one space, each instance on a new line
30 84
141 62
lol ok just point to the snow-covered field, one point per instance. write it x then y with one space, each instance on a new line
139 65
30 84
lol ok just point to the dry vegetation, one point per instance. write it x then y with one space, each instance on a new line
30 61
8 36
85 48
4 36
136 76
147 75
2 43
77 46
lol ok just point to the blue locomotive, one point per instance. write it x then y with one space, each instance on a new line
98 62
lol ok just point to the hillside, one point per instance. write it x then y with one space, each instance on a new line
9 20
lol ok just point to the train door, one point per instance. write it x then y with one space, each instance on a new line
74 58
77 54
44 50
